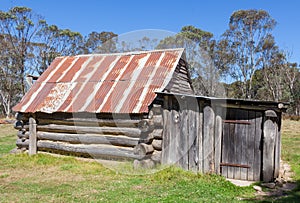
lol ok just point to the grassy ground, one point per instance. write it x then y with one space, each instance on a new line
7 138
291 153
63 179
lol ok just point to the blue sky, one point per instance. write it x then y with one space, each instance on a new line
121 16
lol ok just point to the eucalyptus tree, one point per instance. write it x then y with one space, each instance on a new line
100 42
274 65
200 54
52 42
244 40
19 26
10 87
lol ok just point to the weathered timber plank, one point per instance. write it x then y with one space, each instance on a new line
225 140
278 148
130 132
251 144
192 141
231 150
175 138
217 143
200 139
257 147
238 136
183 141
268 150
32 137
166 132
89 139
196 137
208 139
244 152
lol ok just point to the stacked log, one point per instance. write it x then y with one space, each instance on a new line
22 125
117 139
150 144
112 139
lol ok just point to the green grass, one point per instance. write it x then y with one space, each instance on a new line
7 139
291 145
49 178
291 153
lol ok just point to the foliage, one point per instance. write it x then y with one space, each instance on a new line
200 54
246 56
53 42
242 45
28 45
103 42
18 26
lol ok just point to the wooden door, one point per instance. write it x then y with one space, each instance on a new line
241 145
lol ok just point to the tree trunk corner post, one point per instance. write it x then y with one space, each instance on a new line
271 146
32 136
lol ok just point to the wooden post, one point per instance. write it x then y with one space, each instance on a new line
32 137
200 137
270 134
218 140
208 139
278 148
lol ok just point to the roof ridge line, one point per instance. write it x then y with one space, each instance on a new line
126 53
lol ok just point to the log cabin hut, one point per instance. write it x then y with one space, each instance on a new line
140 106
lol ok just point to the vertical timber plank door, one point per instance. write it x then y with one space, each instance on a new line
241 138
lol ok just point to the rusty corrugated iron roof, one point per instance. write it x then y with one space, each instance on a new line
102 83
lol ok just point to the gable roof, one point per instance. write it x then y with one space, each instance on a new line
102 83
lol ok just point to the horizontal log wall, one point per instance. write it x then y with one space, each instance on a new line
98 138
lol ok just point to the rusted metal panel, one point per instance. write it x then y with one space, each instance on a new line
107 83
235 165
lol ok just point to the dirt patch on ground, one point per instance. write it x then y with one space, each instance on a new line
6 121
280 187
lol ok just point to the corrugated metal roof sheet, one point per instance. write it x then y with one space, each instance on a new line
102 83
